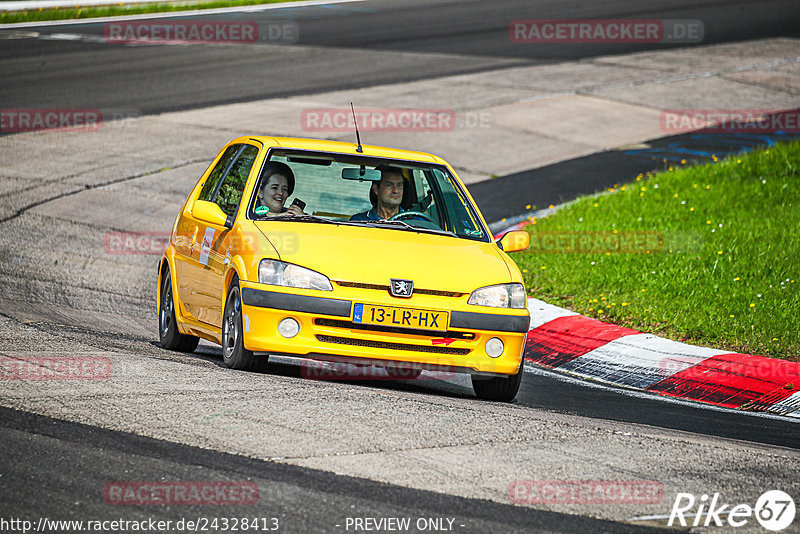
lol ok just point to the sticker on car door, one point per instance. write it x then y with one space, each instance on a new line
205 248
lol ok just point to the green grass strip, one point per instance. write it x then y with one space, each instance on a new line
706 254
119 9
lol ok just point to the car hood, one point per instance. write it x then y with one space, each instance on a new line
375 255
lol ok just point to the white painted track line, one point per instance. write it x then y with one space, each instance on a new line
173 14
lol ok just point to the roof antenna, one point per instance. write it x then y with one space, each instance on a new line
358 137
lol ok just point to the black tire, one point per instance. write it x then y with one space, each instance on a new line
168 335
234 355
501 389
403 373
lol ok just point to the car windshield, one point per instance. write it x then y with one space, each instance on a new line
338 188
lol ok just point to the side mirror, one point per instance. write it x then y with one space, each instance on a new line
515 241
210 213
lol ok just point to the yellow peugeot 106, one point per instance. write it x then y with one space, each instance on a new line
380 258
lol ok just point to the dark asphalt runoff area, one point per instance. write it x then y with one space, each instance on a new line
499 198
335 50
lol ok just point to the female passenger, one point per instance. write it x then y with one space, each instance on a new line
277 184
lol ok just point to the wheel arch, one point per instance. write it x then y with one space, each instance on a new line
165 265
160 280
236 268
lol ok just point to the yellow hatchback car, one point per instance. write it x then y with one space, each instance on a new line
381 258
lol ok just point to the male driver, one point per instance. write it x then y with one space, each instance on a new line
385 195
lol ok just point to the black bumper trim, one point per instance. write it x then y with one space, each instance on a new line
489 321
297 303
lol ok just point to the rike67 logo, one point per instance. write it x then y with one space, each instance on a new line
774 510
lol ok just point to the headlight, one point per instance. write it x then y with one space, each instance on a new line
279 273
499 296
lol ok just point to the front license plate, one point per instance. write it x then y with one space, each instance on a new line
402 317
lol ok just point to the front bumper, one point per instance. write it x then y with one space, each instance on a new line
326 328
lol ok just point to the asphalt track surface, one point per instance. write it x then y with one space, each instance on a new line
303 500
53 468
341 46
56 469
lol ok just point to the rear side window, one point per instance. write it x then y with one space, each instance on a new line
210 187
230 192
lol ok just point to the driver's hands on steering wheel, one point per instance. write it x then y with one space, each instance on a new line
410 213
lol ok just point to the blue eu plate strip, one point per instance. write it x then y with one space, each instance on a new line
358 312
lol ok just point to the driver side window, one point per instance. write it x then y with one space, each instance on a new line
232 187
426 202
212 182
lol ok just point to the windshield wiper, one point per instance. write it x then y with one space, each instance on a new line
306 218
400 225
408 227
397 222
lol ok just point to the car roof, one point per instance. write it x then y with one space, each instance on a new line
325 145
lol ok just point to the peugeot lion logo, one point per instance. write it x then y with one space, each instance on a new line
401 288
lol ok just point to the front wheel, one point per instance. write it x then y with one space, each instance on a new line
501 389
234 355
168 335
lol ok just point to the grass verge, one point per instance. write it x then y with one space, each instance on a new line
119 9
707 254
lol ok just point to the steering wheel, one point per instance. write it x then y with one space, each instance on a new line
404 214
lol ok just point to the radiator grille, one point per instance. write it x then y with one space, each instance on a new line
379 287
335 323
393 346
